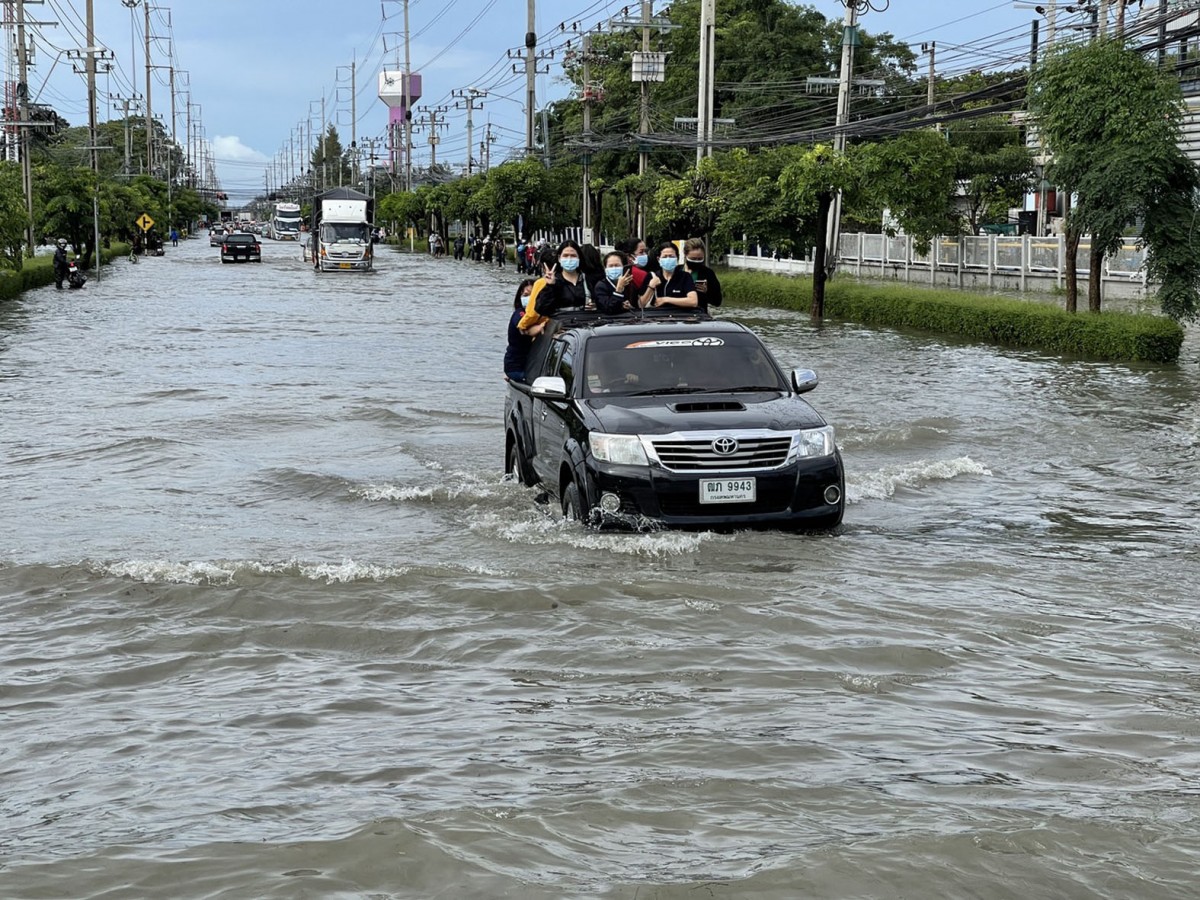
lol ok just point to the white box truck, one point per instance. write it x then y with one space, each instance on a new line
341 231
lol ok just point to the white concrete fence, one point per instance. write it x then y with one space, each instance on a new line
988 262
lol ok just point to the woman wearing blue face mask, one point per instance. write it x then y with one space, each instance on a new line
677 289
615 293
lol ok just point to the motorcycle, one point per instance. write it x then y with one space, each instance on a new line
75 278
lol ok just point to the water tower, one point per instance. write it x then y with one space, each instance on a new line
392 93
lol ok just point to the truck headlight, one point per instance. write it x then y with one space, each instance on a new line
813 442
620 449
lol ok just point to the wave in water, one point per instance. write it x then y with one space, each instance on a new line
882 485
232 572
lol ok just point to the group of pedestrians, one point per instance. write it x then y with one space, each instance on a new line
625 279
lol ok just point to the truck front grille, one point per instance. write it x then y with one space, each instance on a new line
700 454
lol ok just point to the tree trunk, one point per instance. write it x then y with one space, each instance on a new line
824 202
1095 273
1072 251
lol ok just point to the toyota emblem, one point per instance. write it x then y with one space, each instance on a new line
725 446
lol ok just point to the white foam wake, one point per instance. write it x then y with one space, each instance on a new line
882 485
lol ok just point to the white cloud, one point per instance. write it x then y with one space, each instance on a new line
229 148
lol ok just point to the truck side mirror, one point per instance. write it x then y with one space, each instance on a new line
804 380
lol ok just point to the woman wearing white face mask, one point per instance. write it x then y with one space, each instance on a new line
677 288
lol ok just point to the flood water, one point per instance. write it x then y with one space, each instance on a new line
273 624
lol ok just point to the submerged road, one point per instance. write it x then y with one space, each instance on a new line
272 623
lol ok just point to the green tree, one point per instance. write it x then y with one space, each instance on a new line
1111 121
401 208
66 194
330 163
810 183
14 219
994 167
691 204
765 49
756 208
911 177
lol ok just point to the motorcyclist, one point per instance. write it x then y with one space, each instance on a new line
60 263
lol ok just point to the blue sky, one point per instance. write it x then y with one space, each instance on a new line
258 68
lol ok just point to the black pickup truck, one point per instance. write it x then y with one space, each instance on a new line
241 245
672 422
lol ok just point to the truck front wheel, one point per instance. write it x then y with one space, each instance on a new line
574 507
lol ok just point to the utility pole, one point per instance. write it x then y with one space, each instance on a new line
530 77
1162 33
90 66
371 142
931 49
588 97
647 67
485 146
466 100
23 128
704 115
435 126
407 106
849 41
1103 32
644 109
354 115
126 169
149 115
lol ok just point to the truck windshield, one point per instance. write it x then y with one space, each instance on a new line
334 232
287 224
670 364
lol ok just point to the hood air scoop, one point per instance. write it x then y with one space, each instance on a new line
709 406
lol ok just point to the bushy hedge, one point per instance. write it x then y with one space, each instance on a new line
1020 323
39 272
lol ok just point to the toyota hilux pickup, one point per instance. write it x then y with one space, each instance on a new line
241 246
671 422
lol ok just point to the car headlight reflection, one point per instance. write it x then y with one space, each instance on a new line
620 449
813 442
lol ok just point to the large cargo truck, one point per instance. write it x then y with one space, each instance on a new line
341 230
285 223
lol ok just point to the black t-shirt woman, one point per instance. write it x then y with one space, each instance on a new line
677 289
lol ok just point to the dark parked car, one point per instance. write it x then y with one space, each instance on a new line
240 246
677 422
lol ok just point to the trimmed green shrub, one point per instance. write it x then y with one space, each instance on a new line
999 320
39 272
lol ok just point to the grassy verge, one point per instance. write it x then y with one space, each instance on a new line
1018 323
39 272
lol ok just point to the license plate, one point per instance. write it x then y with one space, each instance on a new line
728 490
345 266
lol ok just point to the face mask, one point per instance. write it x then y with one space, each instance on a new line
613 273
569 263
642 260
668 264
696 262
